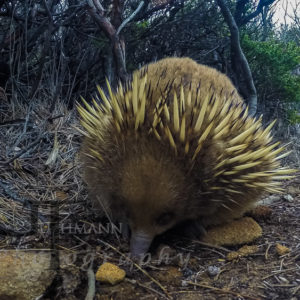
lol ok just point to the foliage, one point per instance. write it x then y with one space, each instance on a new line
193 30
293 116
272 63
62 48
290 33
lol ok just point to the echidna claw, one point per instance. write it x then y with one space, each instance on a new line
125 231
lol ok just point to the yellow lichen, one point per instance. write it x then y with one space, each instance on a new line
238 232
281 250
244 251
110 273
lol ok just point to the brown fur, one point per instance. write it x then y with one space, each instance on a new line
144 180
187 72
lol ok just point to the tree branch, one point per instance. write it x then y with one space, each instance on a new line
110 31
101 20
130 17
239 58
240 8
151 11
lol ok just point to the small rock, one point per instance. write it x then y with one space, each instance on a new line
184 283
110 273
269 200
244 251
187 272
288 198
238 232
213 271
25 275
281 250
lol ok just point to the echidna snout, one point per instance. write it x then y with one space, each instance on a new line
151 194
176 143
139 243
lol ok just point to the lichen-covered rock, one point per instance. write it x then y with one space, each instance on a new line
24 275
244 251
238 232
110 273
281 250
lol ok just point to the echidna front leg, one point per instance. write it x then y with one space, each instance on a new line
192 229
125 231
139 243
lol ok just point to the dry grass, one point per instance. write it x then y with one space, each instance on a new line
38 165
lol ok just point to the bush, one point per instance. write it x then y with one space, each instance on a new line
272 63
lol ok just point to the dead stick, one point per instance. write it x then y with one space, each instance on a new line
221 290
22 152
91 283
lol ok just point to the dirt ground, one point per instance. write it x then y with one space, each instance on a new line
186 269
40 184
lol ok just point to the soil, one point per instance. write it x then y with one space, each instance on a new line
186 275
186 269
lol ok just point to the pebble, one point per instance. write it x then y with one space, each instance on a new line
110 273
213 271
184 283
288 198
269 200
281 250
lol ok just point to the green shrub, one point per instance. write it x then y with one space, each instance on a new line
272 63
293 116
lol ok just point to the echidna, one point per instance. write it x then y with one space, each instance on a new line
176 143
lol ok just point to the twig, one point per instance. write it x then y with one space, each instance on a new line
130 17
62 66
13 195
267 251
138 267
13 122
222 290
23 151
44 53
24 128
22 121
27 203
96 4
91 283
279 272
55 117
132 281
11 231
211 246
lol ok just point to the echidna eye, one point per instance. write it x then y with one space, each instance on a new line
164 219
